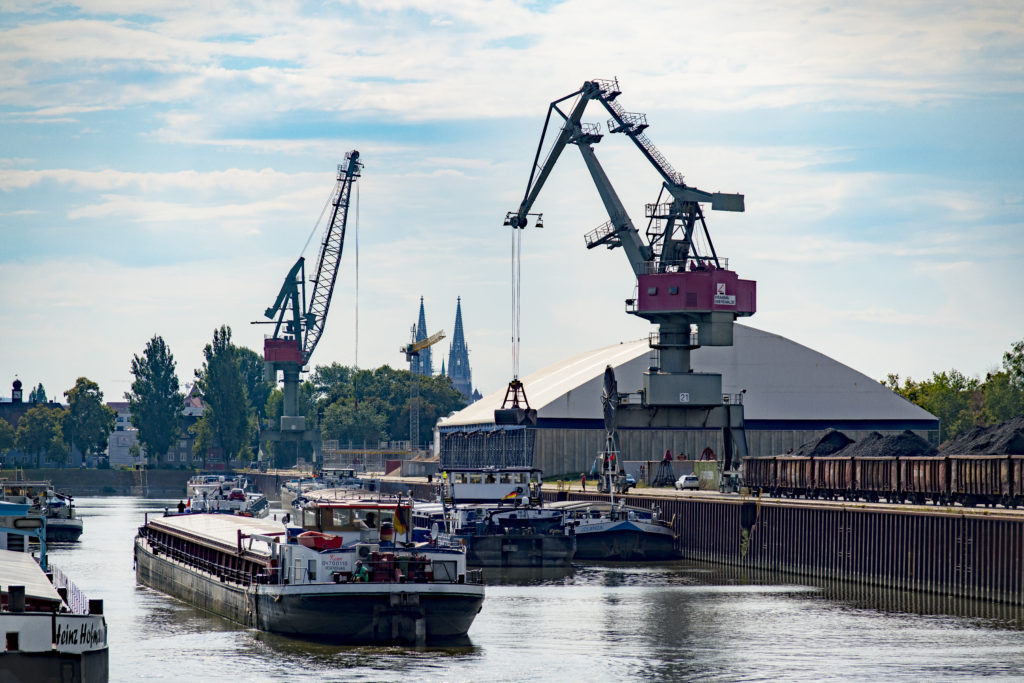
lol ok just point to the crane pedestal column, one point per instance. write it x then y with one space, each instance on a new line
727 417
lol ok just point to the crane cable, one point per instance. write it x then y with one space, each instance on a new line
357 276
517 248
319 218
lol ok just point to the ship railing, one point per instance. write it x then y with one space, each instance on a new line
701 263
221 571
75 598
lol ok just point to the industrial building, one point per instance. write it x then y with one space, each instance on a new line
791 394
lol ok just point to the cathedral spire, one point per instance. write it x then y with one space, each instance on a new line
422 364
458 358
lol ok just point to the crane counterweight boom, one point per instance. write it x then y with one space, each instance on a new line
683 285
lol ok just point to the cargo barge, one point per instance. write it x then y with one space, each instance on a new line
344 575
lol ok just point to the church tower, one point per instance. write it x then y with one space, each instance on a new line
422 364
458 359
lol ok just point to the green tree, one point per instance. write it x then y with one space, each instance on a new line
7 434
89 422
1013 364
39 433
950 396
223 390
1002 400
438 398
387 390
257 389
37 395
155 400
203 439
365 423
332 382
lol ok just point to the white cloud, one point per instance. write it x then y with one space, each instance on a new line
872 266
378 57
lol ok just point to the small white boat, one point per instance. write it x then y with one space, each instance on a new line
225 495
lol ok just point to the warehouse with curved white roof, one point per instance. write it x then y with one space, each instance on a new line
790 393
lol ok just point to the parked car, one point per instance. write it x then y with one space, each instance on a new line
687 481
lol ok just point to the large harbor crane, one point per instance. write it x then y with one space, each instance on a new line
298 325
683 285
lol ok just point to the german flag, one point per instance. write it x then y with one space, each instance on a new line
402 520
511 495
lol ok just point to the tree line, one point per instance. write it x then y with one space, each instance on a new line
50 432
351 406
961 402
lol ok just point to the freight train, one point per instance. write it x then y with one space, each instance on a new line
943 479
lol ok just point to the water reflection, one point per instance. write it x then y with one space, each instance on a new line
615 621
863 596
527 576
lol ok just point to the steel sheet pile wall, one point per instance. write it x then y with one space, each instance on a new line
979 556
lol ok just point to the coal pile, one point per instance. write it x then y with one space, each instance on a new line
874 445
1006 438
905 444
829 444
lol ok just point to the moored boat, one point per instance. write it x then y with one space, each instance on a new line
345 574
227 495
497 514
52 631
295 489
612 530
619 532
62 522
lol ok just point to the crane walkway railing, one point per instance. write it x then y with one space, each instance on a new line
632 124
601 234
690 264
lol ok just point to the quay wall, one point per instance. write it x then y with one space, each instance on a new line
975 554
93 482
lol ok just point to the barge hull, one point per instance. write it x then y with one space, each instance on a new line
526 550
62 530
626 546
385 616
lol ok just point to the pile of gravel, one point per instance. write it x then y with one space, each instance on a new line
1006 438
829 444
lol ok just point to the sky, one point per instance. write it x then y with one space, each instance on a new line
163 164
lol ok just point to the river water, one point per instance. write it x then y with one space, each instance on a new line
673 621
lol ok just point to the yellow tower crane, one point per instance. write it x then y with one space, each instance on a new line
412 350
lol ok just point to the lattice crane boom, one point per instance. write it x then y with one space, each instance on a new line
298 326
330 255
